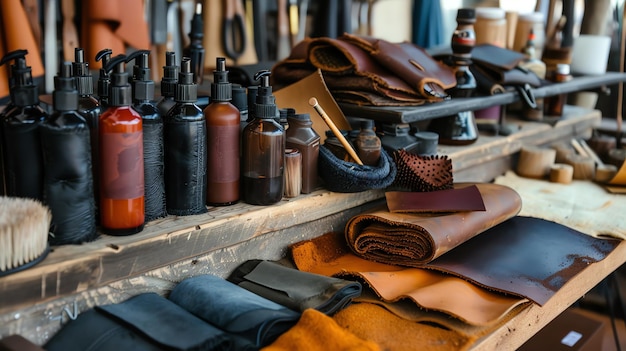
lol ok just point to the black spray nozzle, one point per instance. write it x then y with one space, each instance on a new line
120 88
170 75
22 90
143 86
104 81
186 89
221 89
84 80
265 101
65 95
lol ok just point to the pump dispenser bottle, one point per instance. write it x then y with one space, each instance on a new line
19 132
168 84
222 122
121 158
153 149
104 80
263 142
185 149
68 181
89 107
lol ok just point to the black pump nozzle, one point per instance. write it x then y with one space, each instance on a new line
65 95
84 80
142 84
104 81
195 50
120 88
22 90
186 89
170 75
265 101
221 89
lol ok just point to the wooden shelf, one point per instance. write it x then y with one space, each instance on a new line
73 278
409 114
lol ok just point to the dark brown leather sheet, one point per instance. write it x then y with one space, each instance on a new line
412 240
450 200
528 257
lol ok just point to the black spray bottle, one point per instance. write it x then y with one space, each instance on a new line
19 131
89 107
153 150
185 149
121 158
104 80
68 181
168 84
263 142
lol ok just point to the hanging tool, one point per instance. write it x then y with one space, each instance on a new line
282 43
259 14
195 50
233 29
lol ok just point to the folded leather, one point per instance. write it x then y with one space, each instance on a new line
234 309
525 256
429 289
316 331
380 72
144 322
413 240
295 289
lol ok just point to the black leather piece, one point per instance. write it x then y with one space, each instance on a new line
295 289
147 322
68 183
524 256
234 309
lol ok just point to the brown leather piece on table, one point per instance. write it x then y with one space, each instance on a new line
525 256
317 332
113 24
18 343
451 200
413 240
432 290
18 35
393 333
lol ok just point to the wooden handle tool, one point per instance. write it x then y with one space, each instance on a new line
333 127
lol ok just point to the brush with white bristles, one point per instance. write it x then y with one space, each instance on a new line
24 227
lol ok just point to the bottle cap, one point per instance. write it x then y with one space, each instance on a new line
65 95
170 75
84 80
120 88
104 80
240 99
562 68
265 101
143 85
186 89
221 89
21 88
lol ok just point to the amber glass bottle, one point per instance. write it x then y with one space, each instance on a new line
263 142
222 123
303 137
121 158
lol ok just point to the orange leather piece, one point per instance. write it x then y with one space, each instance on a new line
113 24
393 333
18 34
413 240
317 332
328 255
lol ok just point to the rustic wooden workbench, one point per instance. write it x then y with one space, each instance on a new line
35 302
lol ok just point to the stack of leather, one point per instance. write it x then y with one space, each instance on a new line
368 71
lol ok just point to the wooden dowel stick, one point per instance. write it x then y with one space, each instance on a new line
333 127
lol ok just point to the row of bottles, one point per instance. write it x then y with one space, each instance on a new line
120 158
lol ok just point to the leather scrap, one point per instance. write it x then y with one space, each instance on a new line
429 289
413 240
453 200
295 289
422 173
525 256
369 321
317 332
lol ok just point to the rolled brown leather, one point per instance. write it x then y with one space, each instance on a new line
413 240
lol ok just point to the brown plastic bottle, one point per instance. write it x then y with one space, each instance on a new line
121 159
553 105
368 144
302 136
222 121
